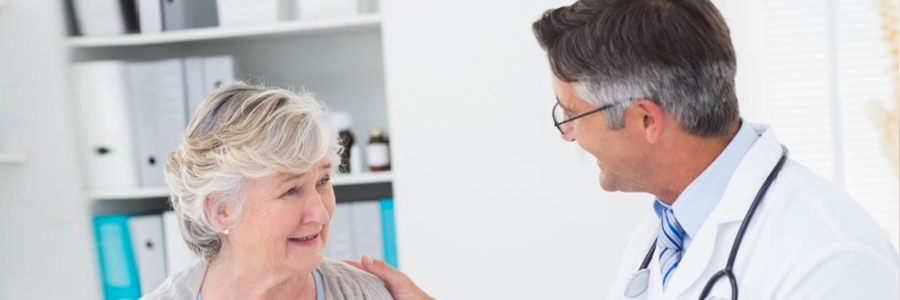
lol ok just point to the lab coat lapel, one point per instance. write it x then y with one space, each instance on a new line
742 188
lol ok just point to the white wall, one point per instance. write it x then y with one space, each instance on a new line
45 237
490 202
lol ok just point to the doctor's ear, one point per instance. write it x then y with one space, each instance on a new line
649 119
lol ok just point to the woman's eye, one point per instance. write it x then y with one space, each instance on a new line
290 192
324 180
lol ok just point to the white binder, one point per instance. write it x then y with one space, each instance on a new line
99 17
367 230
157 91
203 75
178 256
188 14
150 16
324 9
239 13
107 146
217 70
340 233
195 92
149 250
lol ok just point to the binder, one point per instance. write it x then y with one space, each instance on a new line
187 14
340 233
157 91
130 16
105 17
203 75
237 13
323 9
108 146
150 16
367 229
178 256
217 70
149 248
388 234
195 92
118 269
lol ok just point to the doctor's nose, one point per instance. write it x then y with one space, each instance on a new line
568 131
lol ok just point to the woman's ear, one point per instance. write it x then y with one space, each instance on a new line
218 212
650 119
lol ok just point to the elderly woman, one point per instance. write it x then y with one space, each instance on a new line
250 183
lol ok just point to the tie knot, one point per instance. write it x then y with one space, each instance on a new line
672 234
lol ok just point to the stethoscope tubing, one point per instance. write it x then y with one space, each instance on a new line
729 266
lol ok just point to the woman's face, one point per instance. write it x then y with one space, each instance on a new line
284 225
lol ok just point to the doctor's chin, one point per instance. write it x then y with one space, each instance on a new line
402 149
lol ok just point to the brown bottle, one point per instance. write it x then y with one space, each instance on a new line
346 140
378 153
342 121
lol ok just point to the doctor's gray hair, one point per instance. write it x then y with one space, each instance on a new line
676 53
242 131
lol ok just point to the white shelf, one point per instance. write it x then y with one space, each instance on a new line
11 158
364 178
160 192
219 33
138 193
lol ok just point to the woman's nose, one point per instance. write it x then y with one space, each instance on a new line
315 211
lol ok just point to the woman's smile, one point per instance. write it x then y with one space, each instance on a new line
305 241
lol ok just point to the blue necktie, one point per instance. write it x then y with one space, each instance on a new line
670 242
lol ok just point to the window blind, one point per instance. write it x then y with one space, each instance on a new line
824 61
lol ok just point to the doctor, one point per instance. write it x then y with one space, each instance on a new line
647 87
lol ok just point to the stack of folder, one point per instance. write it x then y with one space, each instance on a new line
112 17
363 228
137 253
132 114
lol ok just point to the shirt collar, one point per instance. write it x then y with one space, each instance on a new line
698 200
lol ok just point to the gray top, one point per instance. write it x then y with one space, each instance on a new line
317 277
338 281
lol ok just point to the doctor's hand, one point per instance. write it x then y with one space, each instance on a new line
400 286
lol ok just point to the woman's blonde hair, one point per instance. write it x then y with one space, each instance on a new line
242 131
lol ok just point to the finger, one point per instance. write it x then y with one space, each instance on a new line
384 271
354 263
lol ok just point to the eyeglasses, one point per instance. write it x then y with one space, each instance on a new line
560 114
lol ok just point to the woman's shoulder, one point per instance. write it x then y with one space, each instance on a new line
346 282
183 285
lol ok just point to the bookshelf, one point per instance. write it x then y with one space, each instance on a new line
162 192
283 29
339 59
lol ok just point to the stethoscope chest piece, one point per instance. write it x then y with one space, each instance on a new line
638 283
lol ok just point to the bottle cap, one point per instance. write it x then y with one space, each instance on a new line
376 132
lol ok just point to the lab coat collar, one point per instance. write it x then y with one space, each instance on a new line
742 188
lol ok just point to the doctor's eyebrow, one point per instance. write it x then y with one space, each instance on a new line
563 106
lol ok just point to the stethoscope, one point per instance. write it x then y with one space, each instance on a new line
641 279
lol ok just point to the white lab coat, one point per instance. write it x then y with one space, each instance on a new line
807 240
